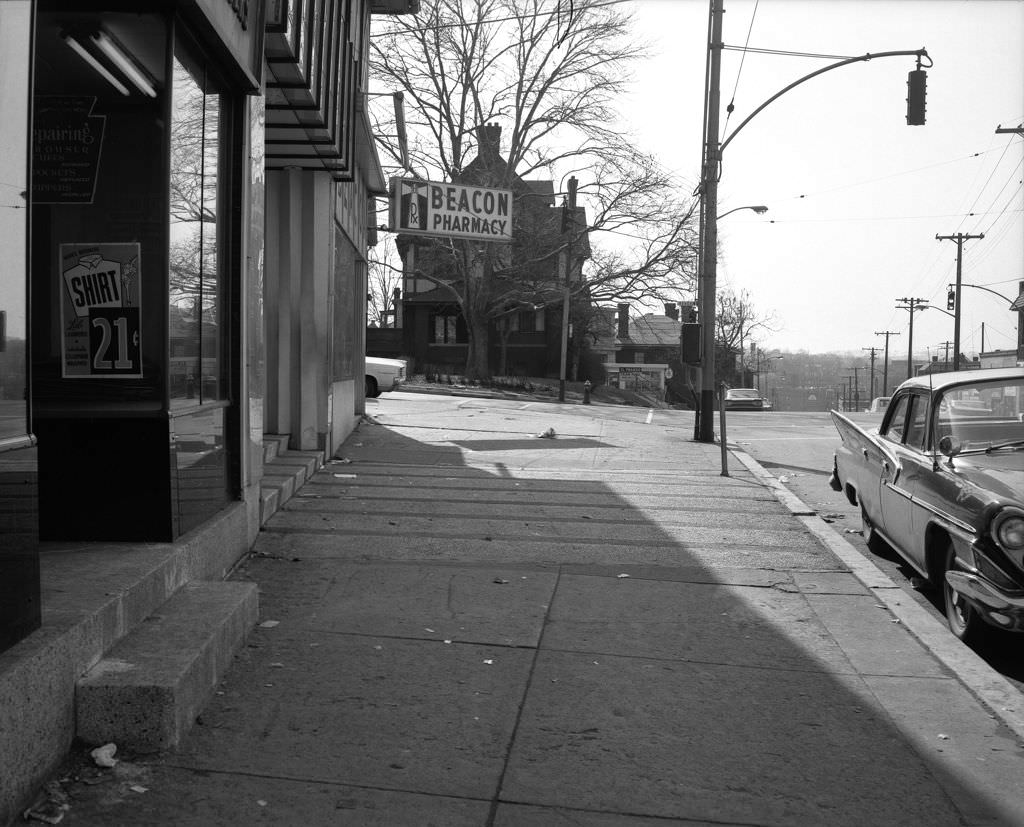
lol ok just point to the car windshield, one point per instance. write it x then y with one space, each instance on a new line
743 393
982 415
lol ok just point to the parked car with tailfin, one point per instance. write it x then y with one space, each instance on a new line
941 480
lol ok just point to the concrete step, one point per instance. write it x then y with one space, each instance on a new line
274 444
145 693
283 475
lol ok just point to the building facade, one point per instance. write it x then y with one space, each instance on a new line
525 334
187 199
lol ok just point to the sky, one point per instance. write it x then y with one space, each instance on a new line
856 197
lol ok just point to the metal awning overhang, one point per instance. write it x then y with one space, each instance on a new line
310 88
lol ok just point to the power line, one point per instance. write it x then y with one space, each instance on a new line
783 52
739 72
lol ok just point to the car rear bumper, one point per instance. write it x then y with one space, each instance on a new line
1000 608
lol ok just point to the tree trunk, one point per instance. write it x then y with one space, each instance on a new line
477 366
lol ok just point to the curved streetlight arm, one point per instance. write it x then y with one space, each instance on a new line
759 210
919 53
933 307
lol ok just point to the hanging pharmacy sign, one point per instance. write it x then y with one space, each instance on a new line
452 210
99 311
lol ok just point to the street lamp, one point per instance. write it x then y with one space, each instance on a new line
704 299
759 210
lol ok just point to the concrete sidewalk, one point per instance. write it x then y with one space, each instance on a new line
464 622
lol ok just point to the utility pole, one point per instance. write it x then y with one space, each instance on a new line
856 386
959 238
911 304
568 223
709 238
872 351
885 364
946 345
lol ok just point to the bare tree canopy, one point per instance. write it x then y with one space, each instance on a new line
737 324
383 279
550 76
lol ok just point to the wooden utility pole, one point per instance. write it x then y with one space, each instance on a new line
959 238
885 364
872 351
912 305
709 238
946 345
568 223
855 404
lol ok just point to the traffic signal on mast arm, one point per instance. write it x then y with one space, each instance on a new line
917 81
951 299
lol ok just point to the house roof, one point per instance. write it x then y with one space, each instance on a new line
653 330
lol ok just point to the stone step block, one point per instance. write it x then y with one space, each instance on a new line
146 692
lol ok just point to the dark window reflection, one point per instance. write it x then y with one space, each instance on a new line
195 295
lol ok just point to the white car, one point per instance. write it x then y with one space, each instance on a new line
383 375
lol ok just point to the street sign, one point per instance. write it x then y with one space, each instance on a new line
450 210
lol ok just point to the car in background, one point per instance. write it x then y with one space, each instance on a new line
745 399
383 375
941 481
879 404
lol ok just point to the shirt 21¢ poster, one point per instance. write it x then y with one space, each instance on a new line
101 337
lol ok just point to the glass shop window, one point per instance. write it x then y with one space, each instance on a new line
197 302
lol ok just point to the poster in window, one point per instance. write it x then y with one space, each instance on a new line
101 336
67 141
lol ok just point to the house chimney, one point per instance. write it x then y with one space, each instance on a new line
489 138
623 321
672 310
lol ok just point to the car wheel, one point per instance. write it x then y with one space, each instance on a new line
875 544
372 391
963 620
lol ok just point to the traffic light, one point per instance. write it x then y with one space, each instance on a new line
690 343
916 88
951 299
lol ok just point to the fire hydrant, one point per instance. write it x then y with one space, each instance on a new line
586 392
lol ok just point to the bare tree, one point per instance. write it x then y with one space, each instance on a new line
550 75
736 322
383 278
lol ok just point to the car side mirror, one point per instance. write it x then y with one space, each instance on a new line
950 447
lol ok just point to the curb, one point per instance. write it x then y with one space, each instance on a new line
996 694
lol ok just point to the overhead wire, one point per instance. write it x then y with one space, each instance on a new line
739 72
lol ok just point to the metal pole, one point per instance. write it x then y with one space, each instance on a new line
721 416
712 156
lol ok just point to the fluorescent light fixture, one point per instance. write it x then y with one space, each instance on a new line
89 58
113 50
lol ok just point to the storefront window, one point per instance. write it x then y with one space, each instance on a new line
196 303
